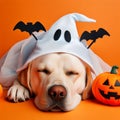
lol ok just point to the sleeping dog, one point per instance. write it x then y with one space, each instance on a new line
59 81
56 67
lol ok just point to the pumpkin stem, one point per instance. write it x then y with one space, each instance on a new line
113 70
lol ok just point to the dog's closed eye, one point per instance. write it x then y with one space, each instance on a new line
69 73
44 71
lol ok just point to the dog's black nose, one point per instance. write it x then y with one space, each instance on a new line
57 92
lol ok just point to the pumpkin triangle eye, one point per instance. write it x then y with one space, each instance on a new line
117 83
106 82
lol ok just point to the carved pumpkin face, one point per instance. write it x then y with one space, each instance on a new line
106 88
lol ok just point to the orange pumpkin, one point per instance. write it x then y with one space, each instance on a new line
106 87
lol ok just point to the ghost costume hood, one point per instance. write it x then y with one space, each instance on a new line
61 37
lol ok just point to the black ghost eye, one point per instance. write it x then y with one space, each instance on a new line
57 34
67 36
106 82
117 83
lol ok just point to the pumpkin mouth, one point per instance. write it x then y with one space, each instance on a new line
110 94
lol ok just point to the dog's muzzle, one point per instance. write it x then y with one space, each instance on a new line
57 93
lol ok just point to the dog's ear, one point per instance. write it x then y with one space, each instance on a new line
24 77
88 91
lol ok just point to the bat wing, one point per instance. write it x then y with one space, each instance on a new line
101 32
85 35
38 26
21 26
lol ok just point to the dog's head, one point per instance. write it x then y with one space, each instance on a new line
59 81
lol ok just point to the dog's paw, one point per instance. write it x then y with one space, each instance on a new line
18 93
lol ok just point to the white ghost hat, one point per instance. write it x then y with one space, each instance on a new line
61 37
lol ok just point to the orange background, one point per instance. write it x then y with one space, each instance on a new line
106 13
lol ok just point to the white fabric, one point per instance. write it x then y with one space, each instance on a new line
25 51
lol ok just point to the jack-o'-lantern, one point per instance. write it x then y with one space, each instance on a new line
106 87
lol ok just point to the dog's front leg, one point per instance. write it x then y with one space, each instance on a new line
18 93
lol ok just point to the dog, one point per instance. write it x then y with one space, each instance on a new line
58 80
56 68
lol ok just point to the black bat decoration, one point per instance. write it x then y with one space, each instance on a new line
29 27
93 35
